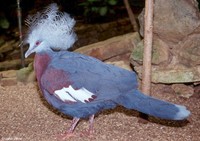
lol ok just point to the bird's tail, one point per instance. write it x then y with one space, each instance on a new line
151 106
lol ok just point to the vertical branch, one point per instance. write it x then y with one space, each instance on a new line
131 15
148 38
19 15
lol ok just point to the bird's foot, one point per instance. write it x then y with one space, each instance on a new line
65 136
88 133
69 132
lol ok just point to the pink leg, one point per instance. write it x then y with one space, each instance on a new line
90 131
91 124
69 132
73 125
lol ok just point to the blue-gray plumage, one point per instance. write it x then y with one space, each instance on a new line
111 85
81 86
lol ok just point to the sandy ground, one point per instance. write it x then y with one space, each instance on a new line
25 116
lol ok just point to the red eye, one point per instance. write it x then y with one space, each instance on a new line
37 43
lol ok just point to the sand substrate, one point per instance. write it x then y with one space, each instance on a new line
24 115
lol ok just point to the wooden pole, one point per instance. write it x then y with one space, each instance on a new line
148 38
19 15
131 16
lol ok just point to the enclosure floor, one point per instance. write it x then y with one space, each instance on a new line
24 115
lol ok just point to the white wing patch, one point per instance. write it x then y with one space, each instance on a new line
64 95
70 94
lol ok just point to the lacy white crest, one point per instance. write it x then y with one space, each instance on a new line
53 26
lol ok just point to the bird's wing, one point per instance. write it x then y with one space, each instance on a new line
58 83
76 77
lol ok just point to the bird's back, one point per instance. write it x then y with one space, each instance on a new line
93 74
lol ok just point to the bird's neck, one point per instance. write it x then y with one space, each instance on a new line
41 62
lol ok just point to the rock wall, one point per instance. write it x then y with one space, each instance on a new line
176 44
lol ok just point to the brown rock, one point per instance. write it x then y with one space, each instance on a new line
8 78
178 74
121 64
174 20
26 74
183 90
2 41
92 33
8 46
111 47
178 30
8 81
8 74
15 54
160 55
197 91
13 64
31 77
188 50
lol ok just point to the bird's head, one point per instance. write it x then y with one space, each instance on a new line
36 45
50 29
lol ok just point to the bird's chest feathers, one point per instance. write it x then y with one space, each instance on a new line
40 64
